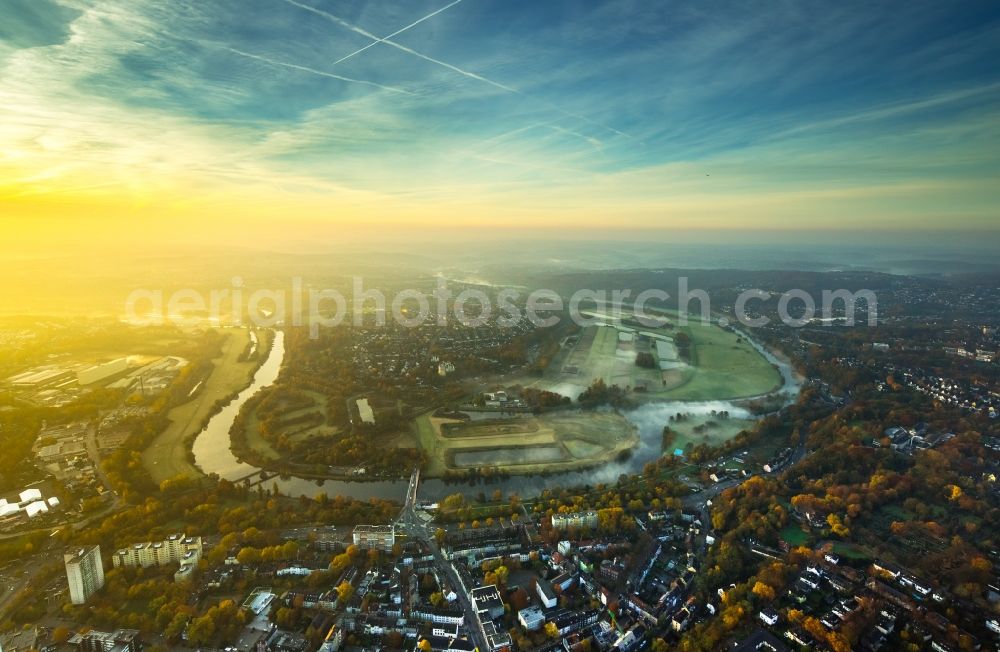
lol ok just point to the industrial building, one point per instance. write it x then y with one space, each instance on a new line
42 377
99 372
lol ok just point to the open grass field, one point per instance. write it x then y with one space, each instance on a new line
166 457
794 535
295 425
721 366
555 442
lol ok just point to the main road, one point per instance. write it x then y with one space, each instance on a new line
411 523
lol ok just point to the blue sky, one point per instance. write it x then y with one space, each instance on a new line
644 114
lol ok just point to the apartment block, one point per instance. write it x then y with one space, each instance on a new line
175 549
84 573
379 537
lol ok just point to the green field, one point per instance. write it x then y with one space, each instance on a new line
794 535
295 425
721 366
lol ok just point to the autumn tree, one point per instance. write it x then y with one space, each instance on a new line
344 591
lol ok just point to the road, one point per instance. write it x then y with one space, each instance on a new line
95 458
409 522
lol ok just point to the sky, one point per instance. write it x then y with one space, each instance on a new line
273 122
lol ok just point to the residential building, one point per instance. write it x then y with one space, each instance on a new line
495 639
575 519
564 581
760 641
378 537
121 640
545 593
84 572
531 618
680 620
175 549
769 616
487 601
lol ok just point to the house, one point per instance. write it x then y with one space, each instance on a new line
680 620
531 618
546 594
885 568
760 641
564 581
769 617
832 558
800 637
444 643
808 581
495 639
610 570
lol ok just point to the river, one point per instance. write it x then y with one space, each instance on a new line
212 451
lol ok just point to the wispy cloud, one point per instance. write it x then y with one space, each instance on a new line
461 71
314 71
839 114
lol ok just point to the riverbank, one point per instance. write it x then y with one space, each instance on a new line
213 450
169 454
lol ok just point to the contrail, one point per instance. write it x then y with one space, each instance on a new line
593 142
322 73
363 32
471 75
396 33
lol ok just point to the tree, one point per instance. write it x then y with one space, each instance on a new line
424 645
60 634
176 626
437 598
340 563
344 591
837 527
248 556
763 591
201 630
519 599
394 640
551 630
